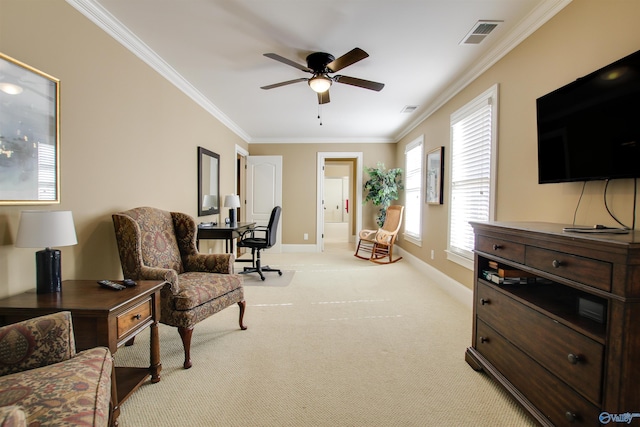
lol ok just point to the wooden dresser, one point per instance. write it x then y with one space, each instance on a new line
563 336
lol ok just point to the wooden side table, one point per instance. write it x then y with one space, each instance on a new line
101 317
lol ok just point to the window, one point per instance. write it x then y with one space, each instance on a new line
472 189
413 191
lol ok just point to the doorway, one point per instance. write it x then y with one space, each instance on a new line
337 194
342 172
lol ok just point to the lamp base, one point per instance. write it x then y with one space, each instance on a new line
232 217
48 271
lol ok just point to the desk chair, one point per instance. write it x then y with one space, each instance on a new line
267 239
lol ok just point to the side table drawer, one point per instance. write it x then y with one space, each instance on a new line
130 319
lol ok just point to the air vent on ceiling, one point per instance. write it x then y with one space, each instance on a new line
409 108
480 31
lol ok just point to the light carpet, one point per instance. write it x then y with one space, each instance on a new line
271 278
347 343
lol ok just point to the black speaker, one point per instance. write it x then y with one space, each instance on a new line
48 271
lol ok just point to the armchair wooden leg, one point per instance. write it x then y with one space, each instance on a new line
242 304
185 334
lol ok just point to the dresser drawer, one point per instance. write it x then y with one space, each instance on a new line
502 248
568 354
551 396
584 270
128 321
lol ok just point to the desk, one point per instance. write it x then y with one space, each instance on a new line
101 317
223 232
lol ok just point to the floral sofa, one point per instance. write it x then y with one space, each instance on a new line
43 381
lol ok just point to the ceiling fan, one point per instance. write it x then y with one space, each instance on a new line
321 64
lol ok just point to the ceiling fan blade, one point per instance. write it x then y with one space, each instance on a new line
347 59
288 62
288 82
323 98
367 84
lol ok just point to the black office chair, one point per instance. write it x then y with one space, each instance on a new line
248 239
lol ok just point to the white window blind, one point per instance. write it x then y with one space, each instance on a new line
46 172
413 190
472 175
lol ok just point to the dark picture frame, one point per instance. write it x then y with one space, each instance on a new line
208 182
29 135
435 171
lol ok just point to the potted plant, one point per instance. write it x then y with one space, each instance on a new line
383 186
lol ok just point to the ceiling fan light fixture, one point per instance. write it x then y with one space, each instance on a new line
320 83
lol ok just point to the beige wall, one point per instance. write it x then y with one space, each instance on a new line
299 182
128 138
586 35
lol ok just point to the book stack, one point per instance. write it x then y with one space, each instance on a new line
503 275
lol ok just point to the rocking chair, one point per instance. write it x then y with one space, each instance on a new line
379 243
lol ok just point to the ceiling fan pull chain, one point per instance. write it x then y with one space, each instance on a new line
320 113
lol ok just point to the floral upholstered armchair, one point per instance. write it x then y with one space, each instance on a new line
44 382
160 245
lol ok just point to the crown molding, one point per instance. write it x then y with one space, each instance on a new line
103 19
527 26
107 22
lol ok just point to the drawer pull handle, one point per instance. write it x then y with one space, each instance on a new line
574 358
483 340
496 247
571 416
485 301
556 264
137 316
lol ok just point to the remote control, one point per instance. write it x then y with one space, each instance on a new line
129 282
111 285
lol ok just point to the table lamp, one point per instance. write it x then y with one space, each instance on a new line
232 202
45 229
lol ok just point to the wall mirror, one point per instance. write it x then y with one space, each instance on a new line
208 182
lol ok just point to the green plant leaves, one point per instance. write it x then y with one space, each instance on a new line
383 187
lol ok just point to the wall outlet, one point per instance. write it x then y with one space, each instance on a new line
433 254
305 236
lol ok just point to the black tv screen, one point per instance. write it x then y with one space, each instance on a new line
590 128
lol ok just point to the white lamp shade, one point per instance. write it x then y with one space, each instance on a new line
232 201
46 229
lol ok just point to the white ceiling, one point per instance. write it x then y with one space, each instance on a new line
213 51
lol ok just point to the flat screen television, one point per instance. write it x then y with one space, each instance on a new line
590 128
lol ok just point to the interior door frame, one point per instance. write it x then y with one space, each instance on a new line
240 181
322 157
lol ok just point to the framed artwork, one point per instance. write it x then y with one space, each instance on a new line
435 170
29 135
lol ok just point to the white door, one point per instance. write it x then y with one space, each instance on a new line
264 192
333 200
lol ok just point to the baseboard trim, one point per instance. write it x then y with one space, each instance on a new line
454 288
